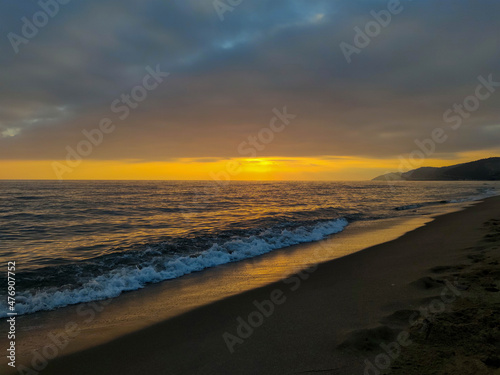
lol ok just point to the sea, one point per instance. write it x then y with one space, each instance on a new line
81 241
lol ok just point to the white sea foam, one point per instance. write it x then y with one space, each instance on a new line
123 279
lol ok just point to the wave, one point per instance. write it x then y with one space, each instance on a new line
409 207
480 194
28 197
122 279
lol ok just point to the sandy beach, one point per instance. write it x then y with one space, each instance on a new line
426 302
228 187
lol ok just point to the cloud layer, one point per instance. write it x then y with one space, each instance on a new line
226 78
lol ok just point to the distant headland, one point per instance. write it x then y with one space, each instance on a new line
480 170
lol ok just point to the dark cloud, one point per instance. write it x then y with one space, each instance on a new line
226 77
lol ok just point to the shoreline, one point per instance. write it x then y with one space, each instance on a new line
340 297
103 321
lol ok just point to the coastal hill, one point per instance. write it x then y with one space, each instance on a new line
480 170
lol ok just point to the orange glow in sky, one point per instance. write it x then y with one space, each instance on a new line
271 168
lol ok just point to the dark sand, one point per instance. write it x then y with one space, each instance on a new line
340 313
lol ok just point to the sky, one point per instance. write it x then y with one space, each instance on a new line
245 89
